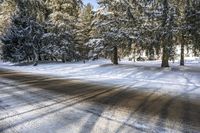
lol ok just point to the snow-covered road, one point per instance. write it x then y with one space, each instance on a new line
39 103
173 81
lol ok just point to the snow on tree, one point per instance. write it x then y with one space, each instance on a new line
96 47
42 30
184 27
193 18
7 8
62 18
58 46
114 25
160 27
83 29
68 31
22 39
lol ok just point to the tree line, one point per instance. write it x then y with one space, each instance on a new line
67 30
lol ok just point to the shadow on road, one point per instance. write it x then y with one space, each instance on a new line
136 102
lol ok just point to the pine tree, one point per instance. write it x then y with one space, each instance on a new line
84 28
7 7
112 28
189 27
161 18
194 20
42 30
63 30
61 23
21 41
184 28
22 38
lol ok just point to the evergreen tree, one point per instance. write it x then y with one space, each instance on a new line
64 30
42 33
22 38
112 29
184 28
194 20
61 25
161 18
84 28
7 7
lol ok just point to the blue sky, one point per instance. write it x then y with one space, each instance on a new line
93 2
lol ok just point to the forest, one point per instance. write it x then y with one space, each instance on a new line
69 31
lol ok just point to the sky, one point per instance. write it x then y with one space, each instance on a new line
93 2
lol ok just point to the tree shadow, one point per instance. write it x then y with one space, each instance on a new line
101 98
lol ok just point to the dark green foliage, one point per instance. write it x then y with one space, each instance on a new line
65 30
22 39
41 30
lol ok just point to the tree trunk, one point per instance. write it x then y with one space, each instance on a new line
115 56
165 57
39 57
63 58
134 54
36 58
182 62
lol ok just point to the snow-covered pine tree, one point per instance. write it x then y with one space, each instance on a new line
61 27
112 29
7 7
22 39
184 28
162 20
188 26
84 28
146 29
194 20
167 31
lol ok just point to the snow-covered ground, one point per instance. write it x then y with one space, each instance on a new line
28 106
147 74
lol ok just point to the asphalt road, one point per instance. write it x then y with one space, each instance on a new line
40 104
